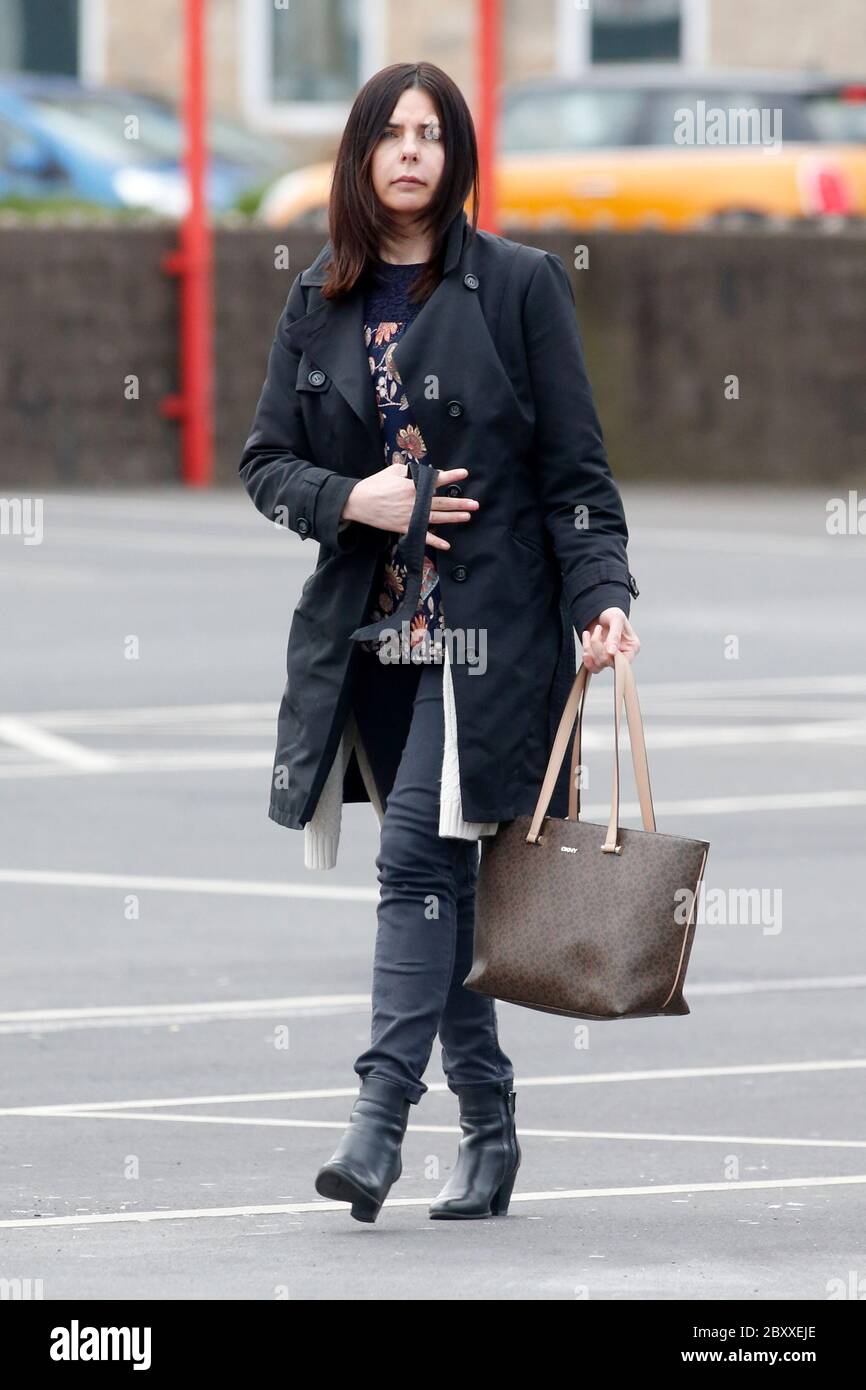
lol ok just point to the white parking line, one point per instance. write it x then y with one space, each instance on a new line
722 987
266 546
164 884
135 715
735 686
296 1208
253 888
690 704
74 759
756 542
23 734
599 1078
125 762
849 731
626 1136
729 687
214 1011
25 1020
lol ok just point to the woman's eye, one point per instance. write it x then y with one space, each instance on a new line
431 132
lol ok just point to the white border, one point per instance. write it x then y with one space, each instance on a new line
92 44
695 31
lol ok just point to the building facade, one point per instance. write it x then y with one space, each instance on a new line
293 66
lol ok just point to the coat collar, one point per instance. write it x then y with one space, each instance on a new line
316 274
332 334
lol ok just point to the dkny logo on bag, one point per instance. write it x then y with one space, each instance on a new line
567 849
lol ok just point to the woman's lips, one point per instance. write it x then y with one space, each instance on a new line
418 182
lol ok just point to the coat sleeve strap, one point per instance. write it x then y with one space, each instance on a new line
412 550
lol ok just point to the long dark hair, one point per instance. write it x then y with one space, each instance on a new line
357 222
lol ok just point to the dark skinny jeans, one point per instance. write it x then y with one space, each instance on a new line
426 911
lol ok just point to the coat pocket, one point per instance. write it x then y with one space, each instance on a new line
533 545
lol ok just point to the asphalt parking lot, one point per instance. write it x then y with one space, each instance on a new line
182 1001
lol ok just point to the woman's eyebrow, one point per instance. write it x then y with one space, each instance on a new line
398 125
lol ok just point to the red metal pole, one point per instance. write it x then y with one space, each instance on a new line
193 263
489 37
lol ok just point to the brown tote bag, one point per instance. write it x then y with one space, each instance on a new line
580 921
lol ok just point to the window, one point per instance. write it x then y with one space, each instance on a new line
314 51
635 31
39 36
594 32
304 60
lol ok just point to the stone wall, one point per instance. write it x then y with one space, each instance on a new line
666 321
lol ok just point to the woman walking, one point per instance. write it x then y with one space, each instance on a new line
425 375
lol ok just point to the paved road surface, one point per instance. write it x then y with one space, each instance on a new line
182 1001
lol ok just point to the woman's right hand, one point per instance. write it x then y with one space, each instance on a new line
386 500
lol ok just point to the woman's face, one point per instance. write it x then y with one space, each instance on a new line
409 148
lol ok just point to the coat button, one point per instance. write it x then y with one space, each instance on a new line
455 408
455 490
316 378
470 281
633 588
458 574
303 526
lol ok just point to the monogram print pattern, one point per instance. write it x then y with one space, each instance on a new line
582 933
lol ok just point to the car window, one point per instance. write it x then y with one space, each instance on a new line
97 130
748 118
557 122
97 123
227 139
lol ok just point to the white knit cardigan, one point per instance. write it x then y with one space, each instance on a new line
322 833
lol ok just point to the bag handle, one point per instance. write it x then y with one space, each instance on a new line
624 689
636 738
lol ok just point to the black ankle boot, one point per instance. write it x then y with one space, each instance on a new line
367 1159
488 1156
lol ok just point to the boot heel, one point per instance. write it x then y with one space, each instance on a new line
501 1198
339 1185
366 1210
367 1161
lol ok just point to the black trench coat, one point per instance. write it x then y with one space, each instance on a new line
493 369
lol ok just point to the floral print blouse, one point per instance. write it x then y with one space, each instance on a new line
388 312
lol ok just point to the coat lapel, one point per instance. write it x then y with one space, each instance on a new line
332 334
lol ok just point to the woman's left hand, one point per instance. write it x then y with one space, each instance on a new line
610 632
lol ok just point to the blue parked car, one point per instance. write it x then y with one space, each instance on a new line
61 139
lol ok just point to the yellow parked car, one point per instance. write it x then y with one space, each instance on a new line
644 146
